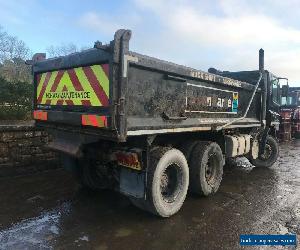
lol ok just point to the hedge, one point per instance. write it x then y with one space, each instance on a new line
15 100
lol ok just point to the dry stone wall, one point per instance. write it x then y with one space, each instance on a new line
23 150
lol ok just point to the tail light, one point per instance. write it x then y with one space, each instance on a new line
128 159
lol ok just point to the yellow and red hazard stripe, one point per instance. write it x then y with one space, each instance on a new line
99 121
82 86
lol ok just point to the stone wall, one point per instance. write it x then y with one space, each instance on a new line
23 150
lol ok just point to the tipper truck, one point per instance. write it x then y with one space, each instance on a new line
151 129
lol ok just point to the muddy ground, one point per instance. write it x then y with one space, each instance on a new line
49 211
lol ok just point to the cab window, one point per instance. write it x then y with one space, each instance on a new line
275 91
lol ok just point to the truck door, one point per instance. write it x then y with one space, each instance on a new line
274 94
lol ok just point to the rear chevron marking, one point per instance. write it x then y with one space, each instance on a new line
41 79
81 86
38 79
44 87
105 69
74 80
86 103
96 85
69 102
50 83
101 78
60 102
57 80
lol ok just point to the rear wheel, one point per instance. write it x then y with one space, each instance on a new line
92 177
206 168
187 148
297 135
270 155
167 182
85 171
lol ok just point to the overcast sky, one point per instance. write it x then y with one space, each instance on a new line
224 34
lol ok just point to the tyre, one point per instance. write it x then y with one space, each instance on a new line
70 164
91 176
206 168
270 155
297 135
187 148
167 182
85 172
231 162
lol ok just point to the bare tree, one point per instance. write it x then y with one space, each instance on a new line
11 47
13 53
63 50
15 70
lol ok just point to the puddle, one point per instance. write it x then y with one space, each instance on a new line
34 233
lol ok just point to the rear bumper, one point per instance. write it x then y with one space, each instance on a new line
74 136
73 118
71 141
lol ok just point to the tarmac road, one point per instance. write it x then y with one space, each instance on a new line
49 211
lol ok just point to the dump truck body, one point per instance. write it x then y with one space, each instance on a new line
135 123
158 96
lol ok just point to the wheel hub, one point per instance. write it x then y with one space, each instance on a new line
267 152
210 169
169 183
164 181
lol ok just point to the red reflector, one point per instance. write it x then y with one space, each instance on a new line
94 120
40 115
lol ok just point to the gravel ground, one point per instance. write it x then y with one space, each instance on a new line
49 211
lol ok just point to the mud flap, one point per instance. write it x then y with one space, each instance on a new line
70 143
132 183
70 147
